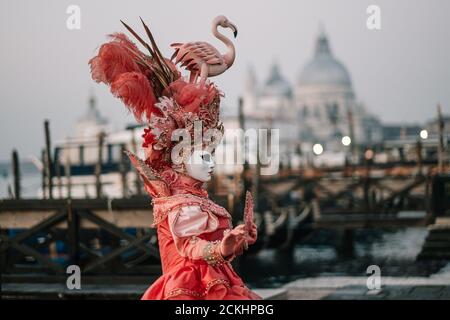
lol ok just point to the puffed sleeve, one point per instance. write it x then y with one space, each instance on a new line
186 224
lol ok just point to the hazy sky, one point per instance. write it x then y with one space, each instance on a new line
399 72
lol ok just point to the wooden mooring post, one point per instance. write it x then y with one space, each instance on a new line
367 180
16 174
246 183
98 166
123 171
68 177
419 156
58 177
43 175
48 159
351 131
441 139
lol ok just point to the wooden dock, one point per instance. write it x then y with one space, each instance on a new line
76 224
111 238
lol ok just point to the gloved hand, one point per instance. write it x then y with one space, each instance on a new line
233 241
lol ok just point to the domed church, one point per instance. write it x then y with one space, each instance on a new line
320 108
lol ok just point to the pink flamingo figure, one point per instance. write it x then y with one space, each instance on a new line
204 60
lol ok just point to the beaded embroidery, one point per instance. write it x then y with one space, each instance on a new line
211 254
204 203
196 294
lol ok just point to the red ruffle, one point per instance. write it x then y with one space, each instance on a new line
200 281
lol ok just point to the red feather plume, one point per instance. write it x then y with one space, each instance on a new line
136 78
112 60
135 91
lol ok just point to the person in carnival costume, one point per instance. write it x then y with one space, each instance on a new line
196 238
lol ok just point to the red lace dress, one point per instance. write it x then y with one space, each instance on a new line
188 224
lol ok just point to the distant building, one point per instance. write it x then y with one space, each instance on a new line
412 132
91 123
80 152
325 100
270 106
317 109
401 132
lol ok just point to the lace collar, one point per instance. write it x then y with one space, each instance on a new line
180 183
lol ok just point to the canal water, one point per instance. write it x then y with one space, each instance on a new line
393 251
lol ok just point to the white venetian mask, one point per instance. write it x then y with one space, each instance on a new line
200 165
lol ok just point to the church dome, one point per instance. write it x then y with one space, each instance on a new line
324 68
276 85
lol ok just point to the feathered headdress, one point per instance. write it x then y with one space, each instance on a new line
151 87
